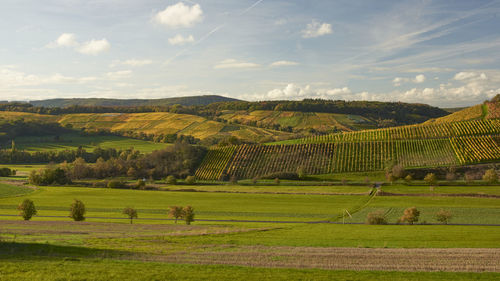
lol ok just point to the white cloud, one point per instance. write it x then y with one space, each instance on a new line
420 78
284 63
10 78
94 47
131 62
119 74
231 63
180 40
469 75
316 29
296 92
64 40
179 15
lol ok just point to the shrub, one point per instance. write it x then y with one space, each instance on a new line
131 213
5 172
115 184
49 176
443 216
176 212
171 180
398 171
490 176
27 209
469 177
277 181
450 176
188 214
77 211
408 178
376 217
410 215
140 184
431 179
301 173
190 180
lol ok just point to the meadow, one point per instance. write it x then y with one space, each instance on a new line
89 143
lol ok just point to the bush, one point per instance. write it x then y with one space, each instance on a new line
233 179
5 172
140 184
408 178
115 184
171 180
277 181
190 180
77 211
376 217
398 171
443 216
188 214
131 213
27 209
431 179
490 176
451 176
49 176
410 215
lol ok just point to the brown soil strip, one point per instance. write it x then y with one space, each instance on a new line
456 260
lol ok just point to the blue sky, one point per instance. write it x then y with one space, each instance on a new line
445 53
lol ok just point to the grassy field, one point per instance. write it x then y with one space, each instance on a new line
7 190
73 141
106 246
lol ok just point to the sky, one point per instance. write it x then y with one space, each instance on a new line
443 53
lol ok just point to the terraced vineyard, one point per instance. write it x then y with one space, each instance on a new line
412 146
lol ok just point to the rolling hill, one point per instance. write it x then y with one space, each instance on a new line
186 101
469 136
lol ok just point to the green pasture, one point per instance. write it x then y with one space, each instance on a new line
41 268
7 190
73 141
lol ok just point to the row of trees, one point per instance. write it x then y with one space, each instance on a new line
77 211
179 160
410 216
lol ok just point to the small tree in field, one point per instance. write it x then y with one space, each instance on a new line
188 214
490 176
431 179
443 216
176 212
277 181
171 180
377 217
77 210
131 213
410 215
190 180
27 209
408 179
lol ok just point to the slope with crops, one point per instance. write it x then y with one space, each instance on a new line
425 145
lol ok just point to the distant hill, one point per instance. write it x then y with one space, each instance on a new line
186 101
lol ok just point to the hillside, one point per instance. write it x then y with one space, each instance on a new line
487 110
298 121
414 146
186 101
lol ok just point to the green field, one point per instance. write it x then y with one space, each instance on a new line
73 141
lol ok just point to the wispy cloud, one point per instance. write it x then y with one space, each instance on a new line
316 29
283 63
232 63
180 40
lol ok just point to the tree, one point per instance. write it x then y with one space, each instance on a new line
408 178
431 179
171 180
443 216
131 213
376 217
140 184
410 215
398 171
490 176
27 209
77 210
188 214
390 177
277 181
190 180
176 212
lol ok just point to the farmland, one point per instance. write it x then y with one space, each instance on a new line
426 145
220 244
